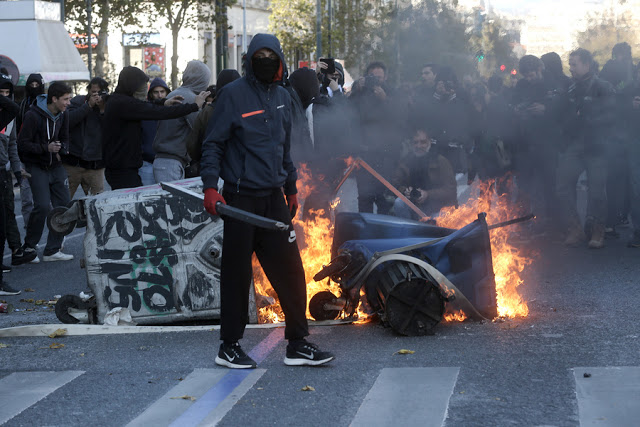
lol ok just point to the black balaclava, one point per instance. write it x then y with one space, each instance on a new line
32 92
6 83
305 83
265 69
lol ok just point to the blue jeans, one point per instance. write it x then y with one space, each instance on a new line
146 174
49 187
165 170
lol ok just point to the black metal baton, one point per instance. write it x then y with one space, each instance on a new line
228 211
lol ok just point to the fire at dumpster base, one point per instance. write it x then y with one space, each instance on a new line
412 274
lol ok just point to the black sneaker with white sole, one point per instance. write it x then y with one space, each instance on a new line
304 353
5 289
232 356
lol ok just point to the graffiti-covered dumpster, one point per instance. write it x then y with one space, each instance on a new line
155 253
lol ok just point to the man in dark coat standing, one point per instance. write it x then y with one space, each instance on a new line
248 145
125 110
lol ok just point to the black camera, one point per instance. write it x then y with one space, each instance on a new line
414 195
371 81
103 94
331 66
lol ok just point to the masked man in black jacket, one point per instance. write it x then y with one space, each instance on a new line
248 146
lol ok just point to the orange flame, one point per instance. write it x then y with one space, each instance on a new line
315 236
508 261
455 316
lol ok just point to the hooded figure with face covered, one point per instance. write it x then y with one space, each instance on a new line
248 145
124 112
170 141
33 87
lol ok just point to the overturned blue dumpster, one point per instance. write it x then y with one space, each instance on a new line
410 271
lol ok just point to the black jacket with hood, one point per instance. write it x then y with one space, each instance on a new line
30 96
85 135
122 139
249 135
8 108
39 128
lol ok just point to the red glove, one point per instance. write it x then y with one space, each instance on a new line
292 202
211 197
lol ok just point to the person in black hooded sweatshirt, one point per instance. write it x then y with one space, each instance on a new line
125 110
33 87
248 145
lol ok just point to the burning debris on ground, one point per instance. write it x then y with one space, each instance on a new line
395 287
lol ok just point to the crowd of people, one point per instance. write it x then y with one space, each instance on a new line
534 138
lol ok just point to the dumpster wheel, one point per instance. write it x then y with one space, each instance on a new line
317 306
414 307
67 302
54 221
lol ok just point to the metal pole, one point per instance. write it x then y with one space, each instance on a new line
89 33
330 13
244 25
318 29
62 10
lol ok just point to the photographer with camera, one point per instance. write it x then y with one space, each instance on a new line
424 177
43 138
84 163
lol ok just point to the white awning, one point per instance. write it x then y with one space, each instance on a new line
41 46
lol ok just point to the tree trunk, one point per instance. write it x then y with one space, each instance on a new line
175 29
101 47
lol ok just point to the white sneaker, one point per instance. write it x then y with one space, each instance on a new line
58 256
35 260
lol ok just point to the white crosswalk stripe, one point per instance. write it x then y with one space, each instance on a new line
408 397
608 396
214 392
20 390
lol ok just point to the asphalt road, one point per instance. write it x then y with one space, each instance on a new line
575 360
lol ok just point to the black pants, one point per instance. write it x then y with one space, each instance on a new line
122 178
4 177
279 257
12 233
49 188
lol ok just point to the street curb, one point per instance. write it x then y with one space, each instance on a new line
78 330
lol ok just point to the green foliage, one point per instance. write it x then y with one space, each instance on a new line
293 22
187 14
492 39
404 35
104 15
606 30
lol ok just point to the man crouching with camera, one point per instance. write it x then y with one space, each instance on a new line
43 138
425 177
84 163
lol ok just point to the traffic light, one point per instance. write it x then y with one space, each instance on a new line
514 72
480 56
503 68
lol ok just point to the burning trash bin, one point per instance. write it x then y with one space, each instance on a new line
153 252
410 271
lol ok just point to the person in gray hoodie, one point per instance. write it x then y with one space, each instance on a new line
170 141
